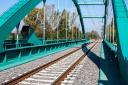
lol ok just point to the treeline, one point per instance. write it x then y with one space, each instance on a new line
54 20
92 35
63 21
110 32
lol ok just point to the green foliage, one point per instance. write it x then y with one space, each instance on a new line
31 20
52 22
111 28
92 35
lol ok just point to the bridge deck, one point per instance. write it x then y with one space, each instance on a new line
89 74
18 70
98 67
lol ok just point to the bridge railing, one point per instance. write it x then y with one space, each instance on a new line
9 44
16 56
111 46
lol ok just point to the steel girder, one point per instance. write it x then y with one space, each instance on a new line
121 22
13 16
80 15
16 13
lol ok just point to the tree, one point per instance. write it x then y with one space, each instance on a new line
30 20
52 17
92 35
62 24
53 20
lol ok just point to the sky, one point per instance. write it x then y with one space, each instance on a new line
90 24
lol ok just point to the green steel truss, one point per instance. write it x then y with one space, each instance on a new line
13 16
80 15
78 3
121 21
16 13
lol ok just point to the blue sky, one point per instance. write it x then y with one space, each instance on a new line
90 24
6 4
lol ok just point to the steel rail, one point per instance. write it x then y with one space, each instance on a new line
59 79
34 71
67 72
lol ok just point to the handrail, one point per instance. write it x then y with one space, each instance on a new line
111 46
43 45
10 9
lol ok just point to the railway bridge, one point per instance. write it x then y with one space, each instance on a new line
34 60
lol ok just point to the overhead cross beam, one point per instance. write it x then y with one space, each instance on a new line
90 3
78 4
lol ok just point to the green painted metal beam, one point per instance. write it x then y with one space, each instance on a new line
112 47
13 16
121 21
80 15
16 13
17 56
33 39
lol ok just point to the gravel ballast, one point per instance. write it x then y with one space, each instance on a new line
21 69
89 73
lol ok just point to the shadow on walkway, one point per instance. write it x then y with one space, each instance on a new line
107 63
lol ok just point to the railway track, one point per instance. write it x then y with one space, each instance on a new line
55 72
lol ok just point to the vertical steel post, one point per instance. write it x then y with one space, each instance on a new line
58 20
72 32
79 32
44 26
66 24
66 30
75 34
17 35
51 25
